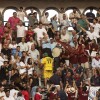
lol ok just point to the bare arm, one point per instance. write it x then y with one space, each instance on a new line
81 28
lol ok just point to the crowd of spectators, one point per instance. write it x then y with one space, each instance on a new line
47 61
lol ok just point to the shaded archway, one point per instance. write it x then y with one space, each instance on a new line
86 10
52 11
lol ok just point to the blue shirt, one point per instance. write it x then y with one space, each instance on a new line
46 44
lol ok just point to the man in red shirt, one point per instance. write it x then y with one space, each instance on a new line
24 92
14 20
38 96
83 92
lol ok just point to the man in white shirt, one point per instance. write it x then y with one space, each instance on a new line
74 15
65 35
96 26
60 15
96 61
91 34
21 14
8 97
44 19
2 93
20 31
29 43
23 45
40 32
34 53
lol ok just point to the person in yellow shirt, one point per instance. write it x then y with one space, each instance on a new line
47 63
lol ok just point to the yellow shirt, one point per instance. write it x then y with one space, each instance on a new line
48 63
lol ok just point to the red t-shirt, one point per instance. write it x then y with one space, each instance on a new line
74 59
26 95
83 57
37 96
52 96
71 96
83 95
13 22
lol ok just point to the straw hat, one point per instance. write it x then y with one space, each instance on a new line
56 52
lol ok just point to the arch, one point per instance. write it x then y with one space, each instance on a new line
68 8
52 11
53 8
10 7
91 7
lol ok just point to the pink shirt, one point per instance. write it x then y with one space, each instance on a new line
13 22
1 31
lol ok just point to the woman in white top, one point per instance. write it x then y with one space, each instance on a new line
21 65
30 66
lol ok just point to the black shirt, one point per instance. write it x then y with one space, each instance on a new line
55 79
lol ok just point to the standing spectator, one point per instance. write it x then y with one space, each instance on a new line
47 63
34 83
20 31
56 79
29 33
51 31
74 17
21 14
83 92
60 15
40 31
25 92
14 20
44 19
1 30
54 22
32 17
82 22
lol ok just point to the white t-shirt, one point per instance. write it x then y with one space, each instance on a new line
21 15
90 35
12 46
2 94
65 37
13 93
96 27
34 54
30 71
8 98
44 20
29 45
22 70
20 31
95 63
40 32
23 46
60 16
